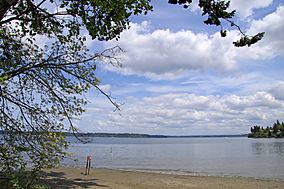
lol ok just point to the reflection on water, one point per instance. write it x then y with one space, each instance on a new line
268 148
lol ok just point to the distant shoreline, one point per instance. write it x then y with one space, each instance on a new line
136 135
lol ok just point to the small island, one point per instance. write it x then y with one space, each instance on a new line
275 131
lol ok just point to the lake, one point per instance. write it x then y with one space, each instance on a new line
260 158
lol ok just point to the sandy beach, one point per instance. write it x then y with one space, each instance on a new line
68 178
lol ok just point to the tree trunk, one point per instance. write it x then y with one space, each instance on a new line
5 5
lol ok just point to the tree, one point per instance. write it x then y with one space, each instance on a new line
275 131
42 87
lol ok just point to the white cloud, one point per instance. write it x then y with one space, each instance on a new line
166 53
273 42
201 102
278 91
245 8
194 6
191 114
163 54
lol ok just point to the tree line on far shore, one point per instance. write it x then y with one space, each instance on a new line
274 131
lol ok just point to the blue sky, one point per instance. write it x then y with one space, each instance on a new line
179 77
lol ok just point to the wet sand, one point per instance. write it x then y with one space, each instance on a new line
68 178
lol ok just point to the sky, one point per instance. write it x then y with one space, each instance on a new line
179 77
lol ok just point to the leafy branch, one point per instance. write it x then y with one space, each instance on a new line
217 11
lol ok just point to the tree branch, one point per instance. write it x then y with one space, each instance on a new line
18 17
117 107
5 6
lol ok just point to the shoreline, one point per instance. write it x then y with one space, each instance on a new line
188 173
175 172
68 177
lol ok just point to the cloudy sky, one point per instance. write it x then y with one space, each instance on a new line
179 77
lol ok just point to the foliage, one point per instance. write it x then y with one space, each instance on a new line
42 86
45 70
275 131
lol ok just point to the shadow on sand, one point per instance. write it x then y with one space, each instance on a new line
58 180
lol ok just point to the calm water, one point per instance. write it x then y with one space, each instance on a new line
262 158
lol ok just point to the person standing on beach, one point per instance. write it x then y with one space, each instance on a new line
88 164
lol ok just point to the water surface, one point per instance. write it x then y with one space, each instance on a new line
261 158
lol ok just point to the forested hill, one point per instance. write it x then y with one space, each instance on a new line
274 131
